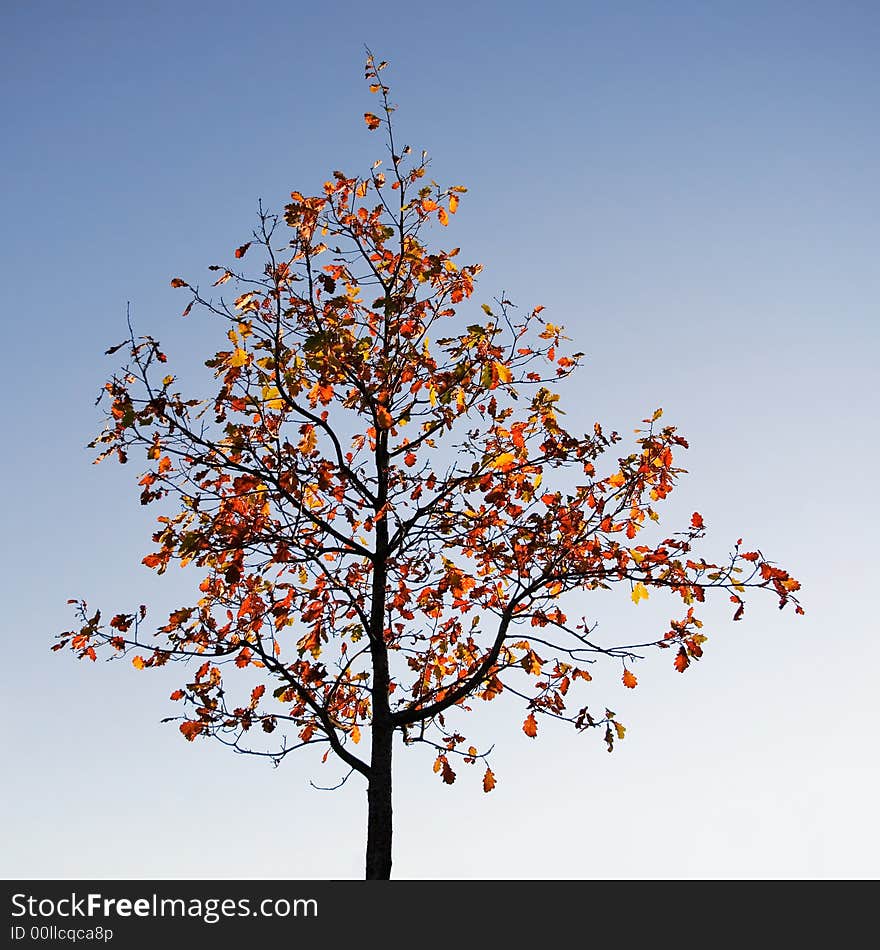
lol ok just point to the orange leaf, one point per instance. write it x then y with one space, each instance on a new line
383 417
682 661
697 520
138 662
488 780
453 204
241 251
373 121
443 217
629 680
617 479
530 726
179 282
409 459
191 729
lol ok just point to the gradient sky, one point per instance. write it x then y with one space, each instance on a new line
690 188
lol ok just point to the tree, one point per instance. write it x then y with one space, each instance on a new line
368 495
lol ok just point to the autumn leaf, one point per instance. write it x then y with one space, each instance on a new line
383 417
504 462
697 520
502 372
682 660
629 680
238 358
373 121
138 662
617 479
639 592
191 729
489 780
179 282
530 726
619 728
241 251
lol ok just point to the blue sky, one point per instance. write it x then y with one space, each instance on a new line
690 188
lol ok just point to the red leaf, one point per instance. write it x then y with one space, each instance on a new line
682 660
241 251
697 520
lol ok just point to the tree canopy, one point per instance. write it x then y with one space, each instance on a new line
389 518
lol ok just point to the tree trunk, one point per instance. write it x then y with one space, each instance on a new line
379 819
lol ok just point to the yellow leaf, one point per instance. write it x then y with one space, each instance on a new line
272 397
238 358
503 371
617 479
637 556
619 729
355 735
640 592
503 461
138 662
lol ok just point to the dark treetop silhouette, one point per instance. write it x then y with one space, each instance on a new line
369 495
